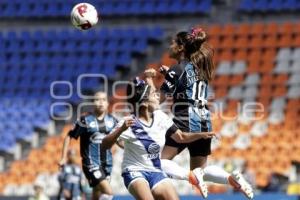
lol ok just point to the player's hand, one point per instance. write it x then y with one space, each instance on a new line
208 135
62 162
163 69
150 73
128 122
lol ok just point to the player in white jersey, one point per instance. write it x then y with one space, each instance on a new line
144 134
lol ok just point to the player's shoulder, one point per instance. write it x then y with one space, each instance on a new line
160 114
111 117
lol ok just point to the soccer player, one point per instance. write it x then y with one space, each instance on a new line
96 163
71 179
143 134
188 84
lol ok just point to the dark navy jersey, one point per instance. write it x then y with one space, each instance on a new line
91 132
189 93
70 179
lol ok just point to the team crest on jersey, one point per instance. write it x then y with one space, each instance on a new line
109 124
153 148
97 137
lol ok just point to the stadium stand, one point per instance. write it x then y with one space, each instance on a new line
256 61
114 8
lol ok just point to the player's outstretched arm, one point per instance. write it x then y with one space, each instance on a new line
184 137
110 139
63 159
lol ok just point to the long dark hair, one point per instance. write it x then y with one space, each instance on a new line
197 51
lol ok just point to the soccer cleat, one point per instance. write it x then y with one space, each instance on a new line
237 181
196 179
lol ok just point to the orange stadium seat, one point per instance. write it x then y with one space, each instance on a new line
241 54
257 29
286 28
241 43
270 41
228 30
243 30
271 29
215 30
256 42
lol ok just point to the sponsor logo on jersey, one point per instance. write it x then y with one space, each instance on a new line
93 124
153 150
97 137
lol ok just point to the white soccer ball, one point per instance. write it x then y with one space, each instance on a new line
84 16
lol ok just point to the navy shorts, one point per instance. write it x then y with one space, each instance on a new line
196 123
153 178
95 176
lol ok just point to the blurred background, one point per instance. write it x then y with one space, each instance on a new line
257 54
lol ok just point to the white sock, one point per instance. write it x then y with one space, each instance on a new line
215 174
173 170
106 197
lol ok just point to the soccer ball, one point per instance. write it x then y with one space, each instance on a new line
84 16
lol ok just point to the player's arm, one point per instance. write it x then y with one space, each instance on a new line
110 139
74 133
185 137
66 144
149 75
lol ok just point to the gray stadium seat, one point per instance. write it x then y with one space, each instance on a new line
278 103
295 67
224 68
294 92
242 141
229 129
250 92
239 67
252 79
276 117
296 54
294 79
259 128
282 66
235 92
284 54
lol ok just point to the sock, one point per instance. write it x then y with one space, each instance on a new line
215 174
173 170
106 197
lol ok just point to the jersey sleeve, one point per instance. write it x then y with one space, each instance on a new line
171 79
78 129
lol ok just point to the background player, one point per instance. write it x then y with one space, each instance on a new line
96 163
71 179
188 83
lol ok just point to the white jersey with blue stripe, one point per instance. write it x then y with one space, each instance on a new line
143 144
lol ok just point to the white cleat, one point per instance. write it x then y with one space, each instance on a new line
196 179
238 182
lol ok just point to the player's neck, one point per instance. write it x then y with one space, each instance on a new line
145 115
100 115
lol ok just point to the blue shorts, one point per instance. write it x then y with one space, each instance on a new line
153 178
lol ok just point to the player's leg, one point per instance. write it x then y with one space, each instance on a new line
140 190
171 148
214 173
137 185
164 191
103 191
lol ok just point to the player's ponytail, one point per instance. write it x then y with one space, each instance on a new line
197 51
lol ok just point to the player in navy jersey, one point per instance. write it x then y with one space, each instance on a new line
188 84
71 179
96 163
